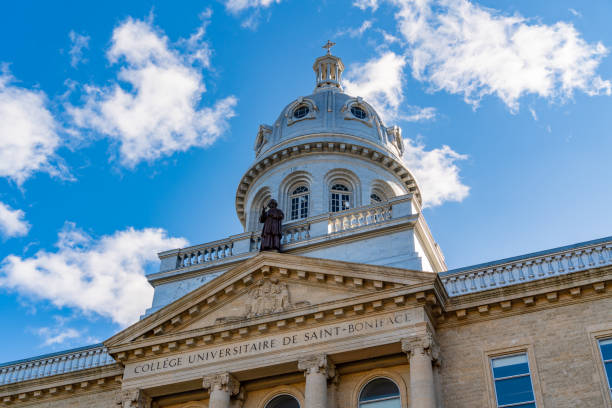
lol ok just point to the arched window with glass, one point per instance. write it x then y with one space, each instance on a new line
340 196
299 202
380 393
283 401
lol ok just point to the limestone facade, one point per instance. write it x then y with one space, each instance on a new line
357 311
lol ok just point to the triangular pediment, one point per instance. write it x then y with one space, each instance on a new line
268 286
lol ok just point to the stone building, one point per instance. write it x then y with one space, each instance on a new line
358 310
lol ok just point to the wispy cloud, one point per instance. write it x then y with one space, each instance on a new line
105 276
53 336
436 172
12 222
28 132
236 6
79 42
160 112
575 12
355 32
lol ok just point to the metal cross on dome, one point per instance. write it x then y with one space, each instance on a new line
328 46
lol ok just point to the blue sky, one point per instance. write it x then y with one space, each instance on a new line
126 126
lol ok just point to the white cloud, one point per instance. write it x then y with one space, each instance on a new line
236 6
104 276
436 172
79 43
534 114
12 222
52 335
365 4
575 12
28 132
159 112
465 49
380 82
355 32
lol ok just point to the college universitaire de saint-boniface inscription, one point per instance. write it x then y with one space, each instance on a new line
301 338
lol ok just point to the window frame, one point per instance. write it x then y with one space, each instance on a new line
273 397
300 199
378 377
596 333
489 355
342 193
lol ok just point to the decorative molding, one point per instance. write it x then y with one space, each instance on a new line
132 399
317 363
221 381
268 296
422 343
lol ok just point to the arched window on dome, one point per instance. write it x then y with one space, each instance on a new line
283 401
380 393
340 198
299 199
377 196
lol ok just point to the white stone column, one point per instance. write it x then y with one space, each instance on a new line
132 399
422 385
316 370
220 387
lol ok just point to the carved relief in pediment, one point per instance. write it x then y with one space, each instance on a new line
268 296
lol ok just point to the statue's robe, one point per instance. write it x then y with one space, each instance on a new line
272 230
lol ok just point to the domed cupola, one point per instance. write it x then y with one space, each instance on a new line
320 138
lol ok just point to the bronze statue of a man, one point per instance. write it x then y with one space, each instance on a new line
272 231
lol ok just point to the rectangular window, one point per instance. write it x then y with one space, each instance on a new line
605 347
512 380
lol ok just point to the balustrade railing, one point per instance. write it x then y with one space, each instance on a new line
360 217
96 356
205 253
291 233
550 263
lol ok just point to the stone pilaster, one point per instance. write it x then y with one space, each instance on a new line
316 370
221 387
421 349
132 399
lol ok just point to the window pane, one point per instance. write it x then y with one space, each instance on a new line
530 405
283 401
379 388
514 390
606 349
608 367
389 403
511 365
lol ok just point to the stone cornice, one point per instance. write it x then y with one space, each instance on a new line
423 295
376 155
531 296
62 385
245 273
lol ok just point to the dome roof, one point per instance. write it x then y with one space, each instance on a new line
328 121
328 112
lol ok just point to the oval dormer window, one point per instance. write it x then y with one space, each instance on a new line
358 112
301 112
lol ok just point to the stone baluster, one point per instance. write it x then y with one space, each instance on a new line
590 259
221 387
570 264
540 270
551 270
132 399
491 274
520 271
316 370
422 349
560 268
580 260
